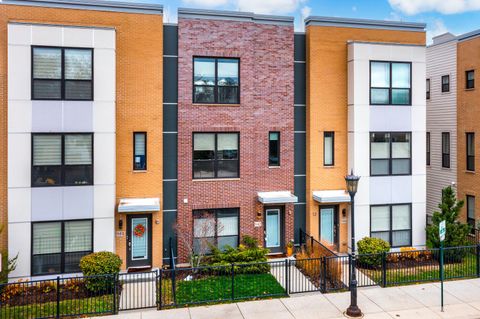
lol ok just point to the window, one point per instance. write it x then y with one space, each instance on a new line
217 227
62 73
274 149
470 75
428 89
471 212
215 155
392 223
428 148
390 154
139 151
390 83
216 80
446 149
62 159
57 247
445 83
328 148
470 151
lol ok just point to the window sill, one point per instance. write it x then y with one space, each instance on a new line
445 168
470 172
214 104
472 89
140 171
329 166
274 167
215 179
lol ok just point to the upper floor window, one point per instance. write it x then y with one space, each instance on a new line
470 151
470 75
216 80
428 148
446 149
62 159
274 149
390 83
445 83
328 148
139 151
428 89
390 154
215 155
62 74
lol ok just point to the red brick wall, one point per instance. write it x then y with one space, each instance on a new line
266 97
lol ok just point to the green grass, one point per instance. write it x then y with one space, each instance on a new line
101 304
219 288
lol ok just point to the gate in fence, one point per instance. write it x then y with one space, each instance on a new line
138 290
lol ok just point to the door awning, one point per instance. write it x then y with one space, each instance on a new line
277 197
331 196
136 205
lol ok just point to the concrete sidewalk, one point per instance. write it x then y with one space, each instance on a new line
462 300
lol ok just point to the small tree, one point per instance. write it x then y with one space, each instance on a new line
8 264
457 232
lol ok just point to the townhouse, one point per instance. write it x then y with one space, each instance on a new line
127 134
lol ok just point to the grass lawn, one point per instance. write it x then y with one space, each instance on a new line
101 304
219 288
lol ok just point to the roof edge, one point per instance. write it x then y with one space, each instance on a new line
98 5
365 23
468 35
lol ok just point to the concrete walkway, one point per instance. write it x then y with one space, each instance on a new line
462 300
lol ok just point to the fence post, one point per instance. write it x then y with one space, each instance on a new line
174 286
159 289
58 296
115 284
233 281
287 280
478 260
323 263
384 269
349 270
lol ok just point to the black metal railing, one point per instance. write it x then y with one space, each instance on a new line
314 247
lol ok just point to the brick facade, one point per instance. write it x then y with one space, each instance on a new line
266 104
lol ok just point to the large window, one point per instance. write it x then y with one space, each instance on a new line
390 153
328 148
216 80
428 89
62 159
217 227
471 212
446 150
390 83
139 151
446 83
470 151
274 149
62 73
215 155
58 246
470 75
429 154
392 223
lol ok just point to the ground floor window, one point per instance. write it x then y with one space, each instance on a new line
215 227
392 223
58 246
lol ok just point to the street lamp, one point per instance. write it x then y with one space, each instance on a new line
352 185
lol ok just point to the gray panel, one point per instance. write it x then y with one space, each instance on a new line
300 124
169 195
300 96
78 202
47 116
77 116
47 203
390 119
299 43
170 40
169 156
300 149
170 118
300 188
170 80
169 222
300 218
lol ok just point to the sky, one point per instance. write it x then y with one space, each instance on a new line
455 16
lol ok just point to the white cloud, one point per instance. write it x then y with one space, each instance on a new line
354 9
269 6
435 28
412 7
206 3
305 12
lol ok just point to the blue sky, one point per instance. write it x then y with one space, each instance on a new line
456 16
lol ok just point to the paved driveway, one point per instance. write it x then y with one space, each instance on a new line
462 300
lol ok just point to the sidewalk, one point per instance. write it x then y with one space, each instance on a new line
462 300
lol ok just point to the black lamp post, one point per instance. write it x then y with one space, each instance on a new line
352 184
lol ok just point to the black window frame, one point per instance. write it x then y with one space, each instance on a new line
278 148
469 84
445 86
215 86
390 159
428 88
216 212
471 221
446 155
216 160
134 150
390 88
391 231
428 149
62 80
62 253
63 165
470 163
332 135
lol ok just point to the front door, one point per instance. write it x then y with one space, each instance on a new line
139 241
274 230
328 224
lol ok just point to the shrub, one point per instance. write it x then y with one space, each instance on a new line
370 251
101 263
12 290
